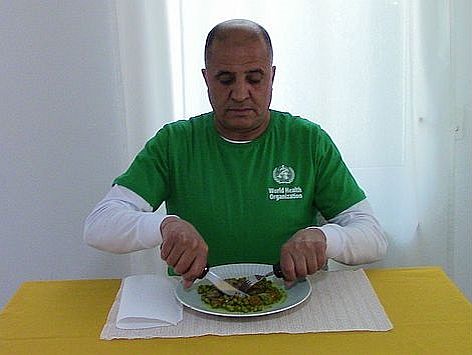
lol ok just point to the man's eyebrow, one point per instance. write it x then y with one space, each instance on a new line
255 71
252 71
223 72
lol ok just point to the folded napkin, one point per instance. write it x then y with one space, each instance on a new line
148 301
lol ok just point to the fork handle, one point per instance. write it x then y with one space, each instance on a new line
278 271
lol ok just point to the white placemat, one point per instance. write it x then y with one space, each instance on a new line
340 301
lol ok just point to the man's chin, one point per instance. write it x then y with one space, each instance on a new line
242 115
239 128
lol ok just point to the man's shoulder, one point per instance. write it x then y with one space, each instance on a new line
194 122
184 129
286 120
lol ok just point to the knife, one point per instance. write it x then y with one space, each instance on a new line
220 284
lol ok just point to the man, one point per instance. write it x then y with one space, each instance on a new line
241 184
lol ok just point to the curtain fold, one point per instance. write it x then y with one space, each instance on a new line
145 67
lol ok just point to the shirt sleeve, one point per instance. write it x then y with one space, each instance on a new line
123 222
148 174
354 236
335 187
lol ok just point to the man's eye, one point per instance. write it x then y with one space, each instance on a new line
254 79
226 81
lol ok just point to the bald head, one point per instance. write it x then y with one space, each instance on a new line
243 31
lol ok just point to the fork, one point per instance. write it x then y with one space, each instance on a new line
254 279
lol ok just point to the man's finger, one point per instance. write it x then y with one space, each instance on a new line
313 263
174 256
289 284
166 247
287 265
196 269
187 283
184 263
300 266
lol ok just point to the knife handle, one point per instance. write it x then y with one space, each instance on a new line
204 272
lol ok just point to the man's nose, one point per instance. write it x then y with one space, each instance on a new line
240 91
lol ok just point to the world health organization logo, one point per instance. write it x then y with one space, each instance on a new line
283 174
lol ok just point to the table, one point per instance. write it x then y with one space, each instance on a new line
429 314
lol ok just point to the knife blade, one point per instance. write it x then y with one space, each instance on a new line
220 284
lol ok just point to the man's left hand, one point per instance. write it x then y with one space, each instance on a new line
303 254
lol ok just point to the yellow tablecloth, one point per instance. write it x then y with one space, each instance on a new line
429 314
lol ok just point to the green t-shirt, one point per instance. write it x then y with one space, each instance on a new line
245 199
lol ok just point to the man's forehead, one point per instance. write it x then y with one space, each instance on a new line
239 50
239 59
253 43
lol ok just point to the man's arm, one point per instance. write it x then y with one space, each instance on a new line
352 237
123 222
355 236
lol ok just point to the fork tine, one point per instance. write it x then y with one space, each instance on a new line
250 281
247 285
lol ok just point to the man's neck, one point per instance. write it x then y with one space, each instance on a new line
243 135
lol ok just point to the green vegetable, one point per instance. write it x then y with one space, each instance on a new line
261 296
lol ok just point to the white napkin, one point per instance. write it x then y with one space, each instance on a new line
148 301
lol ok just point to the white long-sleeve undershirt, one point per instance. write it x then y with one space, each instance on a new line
124 222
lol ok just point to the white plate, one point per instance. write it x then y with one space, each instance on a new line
295 295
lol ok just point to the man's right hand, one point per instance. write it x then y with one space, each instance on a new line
183 248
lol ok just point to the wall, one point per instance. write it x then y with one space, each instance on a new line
442 87
460 250
62 137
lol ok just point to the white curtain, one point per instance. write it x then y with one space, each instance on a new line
378 75
345 65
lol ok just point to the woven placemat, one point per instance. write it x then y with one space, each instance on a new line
340 301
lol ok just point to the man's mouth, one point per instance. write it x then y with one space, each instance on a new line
240 109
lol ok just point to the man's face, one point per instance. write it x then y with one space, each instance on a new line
239 78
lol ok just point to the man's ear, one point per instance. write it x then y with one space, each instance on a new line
204 73
273 73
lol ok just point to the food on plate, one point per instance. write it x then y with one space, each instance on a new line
260 296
